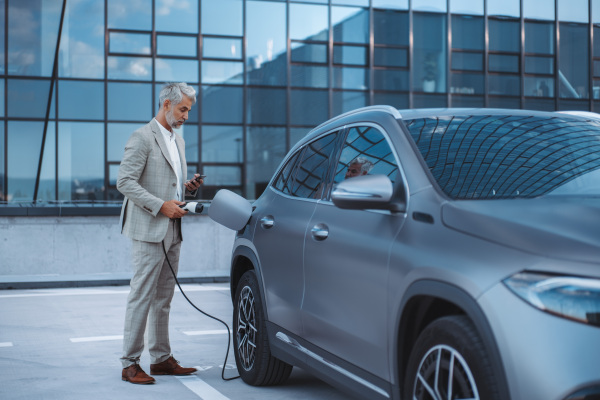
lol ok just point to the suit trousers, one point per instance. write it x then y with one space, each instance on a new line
149 300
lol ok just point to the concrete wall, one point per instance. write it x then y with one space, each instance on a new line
92 248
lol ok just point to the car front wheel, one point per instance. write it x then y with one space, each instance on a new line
253 357
449 361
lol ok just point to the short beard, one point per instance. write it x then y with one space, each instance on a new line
173 123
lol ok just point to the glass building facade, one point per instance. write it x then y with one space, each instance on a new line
78 76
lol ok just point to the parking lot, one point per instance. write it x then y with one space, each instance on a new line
66 343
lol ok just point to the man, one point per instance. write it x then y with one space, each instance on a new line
151 177
357 167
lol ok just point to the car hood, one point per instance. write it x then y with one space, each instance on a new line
566 228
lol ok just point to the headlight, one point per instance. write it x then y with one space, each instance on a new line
571 297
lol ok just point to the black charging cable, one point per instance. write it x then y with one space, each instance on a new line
205 313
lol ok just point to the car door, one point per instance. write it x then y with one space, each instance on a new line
279 236
346 264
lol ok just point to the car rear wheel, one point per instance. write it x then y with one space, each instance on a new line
449 361
253 357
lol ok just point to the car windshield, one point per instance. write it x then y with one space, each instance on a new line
510 156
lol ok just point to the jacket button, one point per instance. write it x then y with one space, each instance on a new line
174 184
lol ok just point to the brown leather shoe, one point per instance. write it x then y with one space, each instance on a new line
135 374
170 367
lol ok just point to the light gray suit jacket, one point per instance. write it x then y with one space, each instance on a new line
147 179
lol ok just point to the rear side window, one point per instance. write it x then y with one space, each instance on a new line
304 175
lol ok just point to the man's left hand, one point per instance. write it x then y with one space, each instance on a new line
194 184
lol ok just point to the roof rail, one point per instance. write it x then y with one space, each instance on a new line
388 109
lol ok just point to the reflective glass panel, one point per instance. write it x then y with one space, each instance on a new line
463 83
213 99
130 43
130 101
503 63
80 171
390 27
507 8
538 86
539 65
429 5
390 57
70 104
222 144
505 35
474 7
309 22
596 41
595 12
350 78
176 16
223 72
130 68
297 133
189 133
265 149
363 3
117 136
170 70
2 29
171 45
28 98
2 194
467 61
538 9
390 79
350 24
467 32
229 48
113 174
573 10
349 55
309 179
266 43
309 53
504 102
574 61
596 68
32 36
539 37
309 107
82 41
223 17
429 52
2 98
309 76
134 15
391 4
508 85
346 100
266 106
398 100
596 93
24 142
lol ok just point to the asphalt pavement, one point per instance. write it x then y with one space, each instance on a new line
65 344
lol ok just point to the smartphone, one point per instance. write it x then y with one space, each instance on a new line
197 179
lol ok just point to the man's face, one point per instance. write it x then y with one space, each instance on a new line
353 170
178 114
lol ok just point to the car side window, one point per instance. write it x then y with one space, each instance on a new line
308 178
366 151
284 180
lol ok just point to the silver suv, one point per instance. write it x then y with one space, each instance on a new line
426 254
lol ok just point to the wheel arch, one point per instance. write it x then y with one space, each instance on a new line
426 301
242 261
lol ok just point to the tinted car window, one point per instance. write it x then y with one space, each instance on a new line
307 179
495 157
283 180
366 143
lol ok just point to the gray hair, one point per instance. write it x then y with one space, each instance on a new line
174 92
365 165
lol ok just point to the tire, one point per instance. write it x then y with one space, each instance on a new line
450 351
253 358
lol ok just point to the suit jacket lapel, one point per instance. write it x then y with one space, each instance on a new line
158 136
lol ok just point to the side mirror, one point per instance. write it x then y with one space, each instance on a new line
230 210
364 193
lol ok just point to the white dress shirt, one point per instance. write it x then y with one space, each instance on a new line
174 154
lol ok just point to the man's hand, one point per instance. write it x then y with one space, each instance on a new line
193 184
171 209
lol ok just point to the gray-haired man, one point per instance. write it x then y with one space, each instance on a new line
152 179
357 167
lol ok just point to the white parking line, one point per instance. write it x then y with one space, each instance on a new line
213 332
6 344
201 388
80 292
96 338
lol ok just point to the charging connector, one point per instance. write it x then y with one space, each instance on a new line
193 207
198 309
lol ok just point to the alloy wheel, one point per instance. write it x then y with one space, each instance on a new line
246 329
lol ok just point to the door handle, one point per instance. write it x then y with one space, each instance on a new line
320 232
267 222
